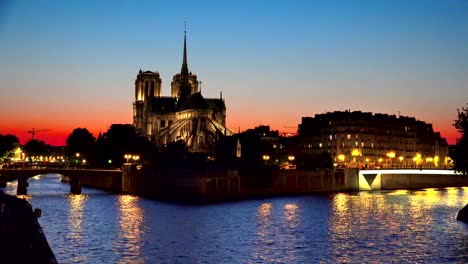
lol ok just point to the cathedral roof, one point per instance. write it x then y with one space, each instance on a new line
216 104
163 105
194 101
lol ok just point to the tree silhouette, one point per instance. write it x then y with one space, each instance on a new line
119 140
36 147
460 155
7 144
80 141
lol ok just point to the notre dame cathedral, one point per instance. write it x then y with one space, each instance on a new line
185 115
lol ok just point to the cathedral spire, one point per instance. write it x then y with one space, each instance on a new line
184 71
185 88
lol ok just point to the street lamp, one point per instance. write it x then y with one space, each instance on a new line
341 157
266 158
127 156
391 155
135 158
401 160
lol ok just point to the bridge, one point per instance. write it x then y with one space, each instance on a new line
105 179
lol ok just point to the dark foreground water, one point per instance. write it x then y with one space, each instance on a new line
378 227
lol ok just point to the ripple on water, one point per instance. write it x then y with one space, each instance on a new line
382 227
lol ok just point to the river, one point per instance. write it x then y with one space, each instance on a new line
360 227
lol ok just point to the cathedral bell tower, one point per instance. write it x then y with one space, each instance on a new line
147 87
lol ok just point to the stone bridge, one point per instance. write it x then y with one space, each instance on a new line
106 179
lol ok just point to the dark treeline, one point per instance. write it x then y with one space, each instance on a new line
110 148
7 145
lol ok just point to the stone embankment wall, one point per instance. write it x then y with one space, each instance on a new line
180 185
414 181
296 181
109 180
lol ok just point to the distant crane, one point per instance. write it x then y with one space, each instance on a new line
34 131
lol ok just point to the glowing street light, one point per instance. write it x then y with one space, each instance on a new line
127 156
341 157
355 152
266 158
135 158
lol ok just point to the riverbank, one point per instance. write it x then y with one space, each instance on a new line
212 186
21 237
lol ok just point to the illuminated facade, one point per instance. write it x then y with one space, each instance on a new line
185 115
362 139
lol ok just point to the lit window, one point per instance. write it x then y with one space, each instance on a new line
362 144
348 136
331 137
357 143
320 145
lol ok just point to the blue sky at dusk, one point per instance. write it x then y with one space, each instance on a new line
68 64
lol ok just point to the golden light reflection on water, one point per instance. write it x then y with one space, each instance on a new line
130 235
264 210
265 233
398 192
395 222
75 217
283 222
291 212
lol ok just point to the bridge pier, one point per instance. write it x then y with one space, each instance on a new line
75 185
22 188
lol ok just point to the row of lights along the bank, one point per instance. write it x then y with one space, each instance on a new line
340 159
390 156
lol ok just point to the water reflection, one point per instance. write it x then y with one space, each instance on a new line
291 212
130 239
265 235
75 234
398 224
378 226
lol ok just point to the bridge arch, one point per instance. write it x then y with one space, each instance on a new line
106 179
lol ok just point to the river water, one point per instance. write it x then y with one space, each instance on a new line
380 226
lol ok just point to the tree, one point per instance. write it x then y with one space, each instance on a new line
119 140
7 144
460 155
80 141
36 147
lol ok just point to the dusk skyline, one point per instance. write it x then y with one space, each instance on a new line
73 64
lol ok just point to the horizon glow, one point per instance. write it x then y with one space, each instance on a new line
66 65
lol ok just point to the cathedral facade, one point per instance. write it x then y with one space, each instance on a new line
185 115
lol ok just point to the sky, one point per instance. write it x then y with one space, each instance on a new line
70 64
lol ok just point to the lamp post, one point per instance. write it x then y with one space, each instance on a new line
135 158
401 160
127 157
266 158
391 155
